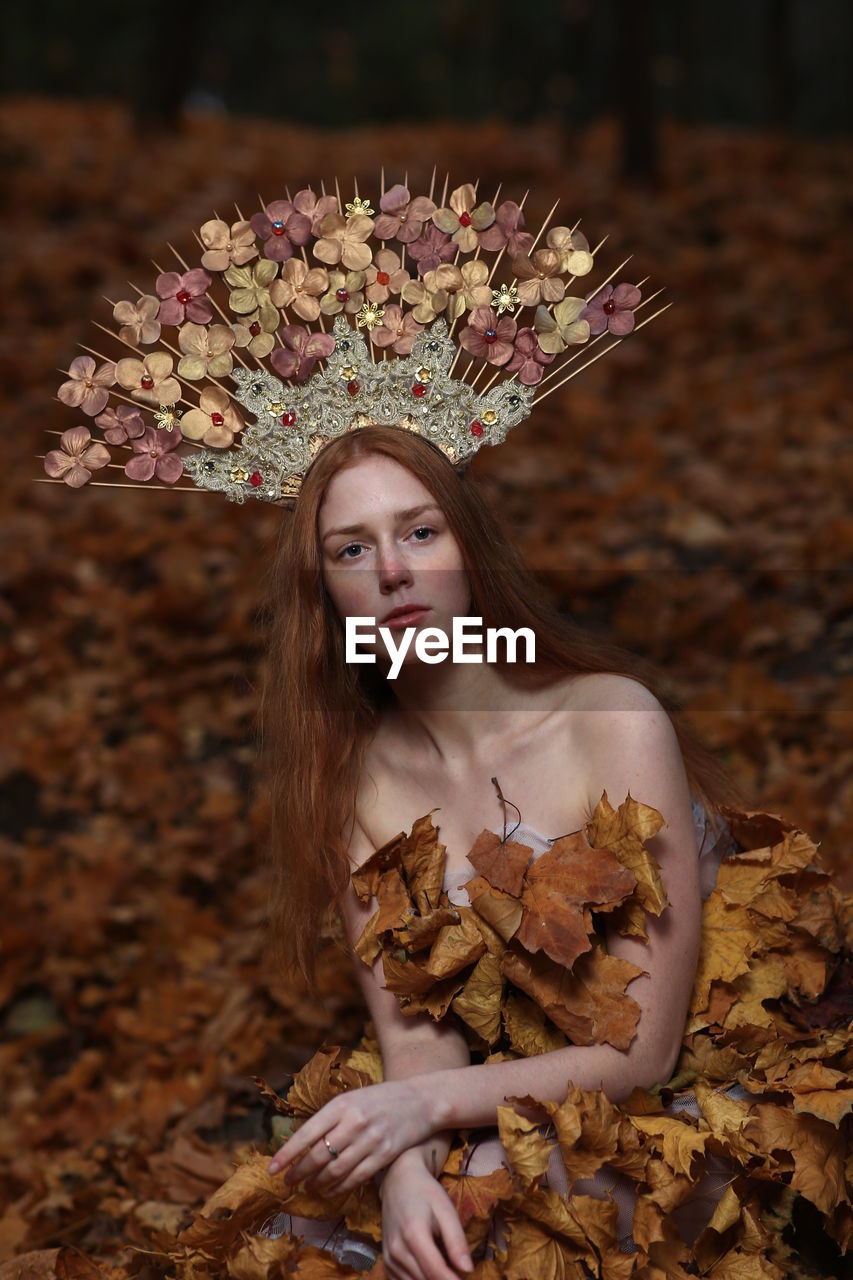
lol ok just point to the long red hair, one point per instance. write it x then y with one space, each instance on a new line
318 713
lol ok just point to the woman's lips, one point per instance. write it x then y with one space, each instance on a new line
406 619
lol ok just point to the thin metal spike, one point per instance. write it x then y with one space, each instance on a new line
432 181
338 194
185 265
112 484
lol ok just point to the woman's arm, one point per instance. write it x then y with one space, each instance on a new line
631 746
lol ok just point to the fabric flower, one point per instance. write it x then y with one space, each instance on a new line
300 352
281 228
402 218
384 276
121 424
207 352
224 246
507 230
573 248
343 241
138 320
76 458
431 249
563 328
298 288
345 293
182 297
251 291
154 456
539 278
426 298
462 220
315 210
528 358
397 331
86 387
465 286
150 380
487 338
612 309
215 422
256 331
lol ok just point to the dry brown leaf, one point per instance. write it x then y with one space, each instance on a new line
500 910
479 1002
502 865
456 947
526 1149
528 1031
423 857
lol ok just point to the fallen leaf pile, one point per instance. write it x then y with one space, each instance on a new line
521 971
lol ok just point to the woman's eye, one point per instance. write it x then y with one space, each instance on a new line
421 528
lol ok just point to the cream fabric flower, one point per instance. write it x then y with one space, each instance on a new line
86 387
226 246
343 241
215 422
207 352
426 297
563 328
465 286
463 220
539 278
345 293
138 320
150 380
299 288
76 458
573 248
251 290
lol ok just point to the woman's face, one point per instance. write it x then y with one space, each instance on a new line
385 543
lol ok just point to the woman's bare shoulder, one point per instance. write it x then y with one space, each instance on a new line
609 691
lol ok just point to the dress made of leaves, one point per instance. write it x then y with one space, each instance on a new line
759 1102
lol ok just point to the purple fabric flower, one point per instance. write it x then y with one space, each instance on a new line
300 352
612 309
86 388
506 230
154 456
431 249
281 228
528 358
121 424
488 338
182 297
402 217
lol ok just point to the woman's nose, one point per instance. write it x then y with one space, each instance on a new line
393 569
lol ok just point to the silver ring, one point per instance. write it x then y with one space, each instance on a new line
332 1150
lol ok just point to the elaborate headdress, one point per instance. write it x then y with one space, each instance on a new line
318 316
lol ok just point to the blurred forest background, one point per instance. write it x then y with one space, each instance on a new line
689 497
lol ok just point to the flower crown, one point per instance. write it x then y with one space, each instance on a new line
286 331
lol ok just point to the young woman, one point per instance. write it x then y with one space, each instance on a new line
384 523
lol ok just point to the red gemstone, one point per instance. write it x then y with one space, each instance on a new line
217 419
490 336
147 381
255 328
418 389
382 277
465 219
184 296
476 428
256 478
278 228
288 418
342 295
608 307
353 387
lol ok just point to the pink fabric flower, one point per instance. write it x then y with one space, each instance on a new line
76 458
315 210
612 309
431 249
397 331
488 338
343 241
539 278
528 358
281 228
121 424
138 320
462 219
507 230
182 297
86 386
299 288
300 352
154 456
402 218
385 275
215 422
150 380
224 246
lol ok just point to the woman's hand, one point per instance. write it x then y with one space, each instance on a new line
355 1135
416 1211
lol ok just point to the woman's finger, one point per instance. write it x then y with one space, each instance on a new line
331 1171
299 1143
329 1153
453 1235
399 1263
428 1256
357 1175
